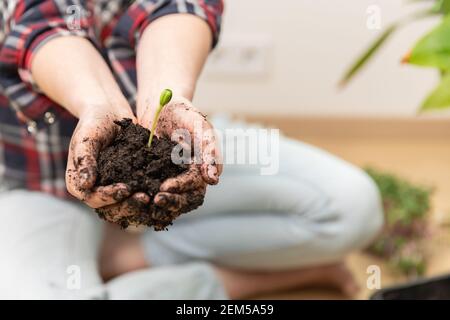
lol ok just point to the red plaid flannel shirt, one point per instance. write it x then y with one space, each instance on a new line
35 131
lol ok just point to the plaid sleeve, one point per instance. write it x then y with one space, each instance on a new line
32 24
142 12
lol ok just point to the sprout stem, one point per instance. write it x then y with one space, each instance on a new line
164 99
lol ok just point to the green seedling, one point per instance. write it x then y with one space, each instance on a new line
164 99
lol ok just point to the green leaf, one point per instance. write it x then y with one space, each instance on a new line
439 6
442 6
433 50
165 97
368 54
365 57
440 97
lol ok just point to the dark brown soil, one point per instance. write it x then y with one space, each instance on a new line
129 160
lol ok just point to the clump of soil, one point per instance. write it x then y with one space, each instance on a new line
129 160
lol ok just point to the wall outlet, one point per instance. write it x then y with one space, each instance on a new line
243 56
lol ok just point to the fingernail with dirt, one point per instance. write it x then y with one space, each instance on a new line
121 193
212 174
161 200
171 188
86 180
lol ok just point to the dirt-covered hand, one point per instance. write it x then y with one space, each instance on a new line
119 213
182 193
94 130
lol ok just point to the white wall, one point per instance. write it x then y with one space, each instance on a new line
313 41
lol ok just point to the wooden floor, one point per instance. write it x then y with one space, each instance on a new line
416 149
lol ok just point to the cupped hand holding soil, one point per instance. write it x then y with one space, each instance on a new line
161 190
94 130
129 160
181 114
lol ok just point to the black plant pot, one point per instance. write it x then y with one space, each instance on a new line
437 288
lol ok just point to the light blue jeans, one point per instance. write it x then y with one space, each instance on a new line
316 210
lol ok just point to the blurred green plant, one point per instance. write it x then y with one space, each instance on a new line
406 206
432 50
